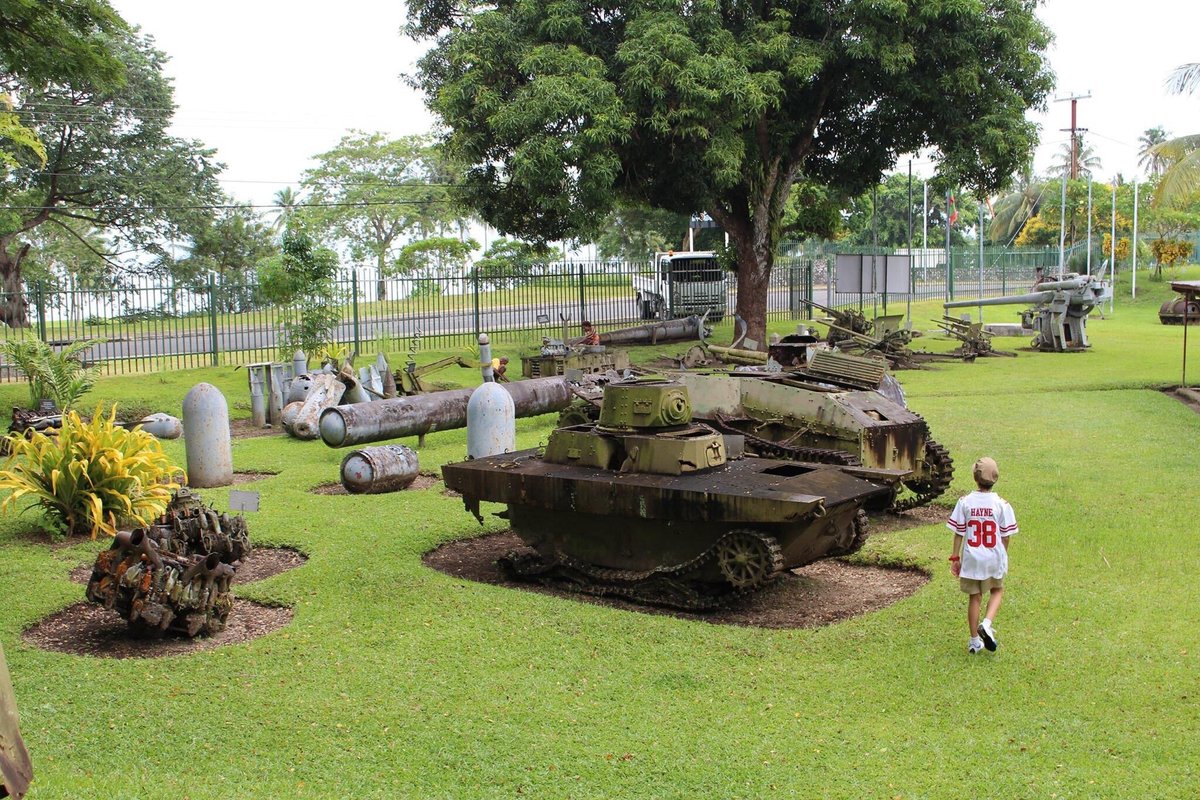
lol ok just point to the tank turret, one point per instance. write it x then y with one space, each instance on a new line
645 426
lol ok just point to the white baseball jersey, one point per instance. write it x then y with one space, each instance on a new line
983 519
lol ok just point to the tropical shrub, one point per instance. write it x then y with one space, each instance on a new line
90 477
58 375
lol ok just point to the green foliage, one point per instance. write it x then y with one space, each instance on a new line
112 166
229 247
370 192
634 230
301 280
59 375
1169 252
562 110
434 256
90 477
15 136
60 41
509 263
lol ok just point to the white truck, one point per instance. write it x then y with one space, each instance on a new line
682 284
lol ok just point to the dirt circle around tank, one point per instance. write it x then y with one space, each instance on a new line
88 629
818 594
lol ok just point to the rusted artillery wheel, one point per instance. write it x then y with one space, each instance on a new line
748 559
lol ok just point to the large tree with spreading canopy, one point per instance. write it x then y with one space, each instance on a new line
563 107
111 170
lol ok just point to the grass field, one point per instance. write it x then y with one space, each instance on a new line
397 681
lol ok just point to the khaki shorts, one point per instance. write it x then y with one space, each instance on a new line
973 586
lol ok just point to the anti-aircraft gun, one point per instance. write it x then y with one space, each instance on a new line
843 322
1058 312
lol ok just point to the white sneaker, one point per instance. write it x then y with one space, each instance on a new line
974 645
988 635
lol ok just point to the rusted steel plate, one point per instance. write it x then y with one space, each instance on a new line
745 491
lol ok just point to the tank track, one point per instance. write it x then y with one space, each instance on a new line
666 586
941 466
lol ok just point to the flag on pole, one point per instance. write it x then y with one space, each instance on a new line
991 208
953 211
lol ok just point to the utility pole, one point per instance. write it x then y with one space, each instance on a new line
1074 129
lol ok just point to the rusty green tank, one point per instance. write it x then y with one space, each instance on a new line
649 505
806 416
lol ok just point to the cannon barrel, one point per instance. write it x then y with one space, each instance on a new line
363 423
1032 298
652 333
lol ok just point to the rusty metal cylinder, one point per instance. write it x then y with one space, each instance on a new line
363 423
327 391
206 437
375 470
653 333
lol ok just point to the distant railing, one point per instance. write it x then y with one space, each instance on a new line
226 321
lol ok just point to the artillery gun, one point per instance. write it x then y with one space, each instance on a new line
1058 314
843 322
973 340
648 505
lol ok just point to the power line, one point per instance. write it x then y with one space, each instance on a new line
217 207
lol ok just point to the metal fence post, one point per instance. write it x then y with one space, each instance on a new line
212 314
808 289
582 310
475 291
39 296
354 308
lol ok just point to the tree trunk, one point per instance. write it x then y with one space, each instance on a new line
380 283
14 310
753 280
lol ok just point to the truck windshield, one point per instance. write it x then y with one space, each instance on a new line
696 270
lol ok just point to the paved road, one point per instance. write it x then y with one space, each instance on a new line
263 338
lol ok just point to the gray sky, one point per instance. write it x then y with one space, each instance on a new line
271 83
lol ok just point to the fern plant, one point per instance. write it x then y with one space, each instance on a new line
58 375
90 477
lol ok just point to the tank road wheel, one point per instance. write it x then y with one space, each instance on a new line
748 559
931 484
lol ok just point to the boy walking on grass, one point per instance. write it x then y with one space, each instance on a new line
982 522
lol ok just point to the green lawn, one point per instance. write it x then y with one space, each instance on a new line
397 681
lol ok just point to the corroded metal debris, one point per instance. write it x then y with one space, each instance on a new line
174 575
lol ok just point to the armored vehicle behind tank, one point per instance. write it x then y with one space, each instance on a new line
649 505
806 417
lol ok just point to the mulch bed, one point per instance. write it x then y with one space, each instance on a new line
249 476
1188 396
424 480
91 630
819 594
86 629
245 429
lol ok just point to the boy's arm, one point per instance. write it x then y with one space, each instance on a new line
955 562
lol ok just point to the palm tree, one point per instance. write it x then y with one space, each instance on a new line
1086 160
286 203
1016 208
1148 159
1182 176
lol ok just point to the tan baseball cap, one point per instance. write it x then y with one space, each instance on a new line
986 471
